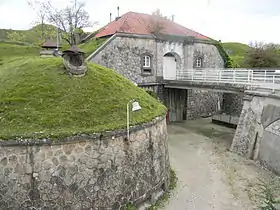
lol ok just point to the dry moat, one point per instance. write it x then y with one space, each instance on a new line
209 176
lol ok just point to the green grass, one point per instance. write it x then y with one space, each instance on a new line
13 50
237 51
91 45
38 99
235 48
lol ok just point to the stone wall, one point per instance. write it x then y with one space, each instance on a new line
123 54
232 104
86 171
158 89
202 103
270 147
257 134
211 57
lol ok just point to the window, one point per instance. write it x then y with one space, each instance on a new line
146 64
198 63
147 61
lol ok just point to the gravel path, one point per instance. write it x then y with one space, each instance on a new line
209 176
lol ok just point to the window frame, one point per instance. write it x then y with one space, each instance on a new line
198 60
146 59
146 64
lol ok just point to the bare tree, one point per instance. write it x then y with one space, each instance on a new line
156 23
70 20
41 16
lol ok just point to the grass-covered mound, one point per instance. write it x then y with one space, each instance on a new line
38 99
237 52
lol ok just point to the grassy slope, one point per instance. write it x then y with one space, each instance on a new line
37 96
29 35
90 46
237 51
12 50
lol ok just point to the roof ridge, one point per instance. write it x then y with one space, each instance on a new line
137 23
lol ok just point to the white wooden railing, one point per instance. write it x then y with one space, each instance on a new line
267 79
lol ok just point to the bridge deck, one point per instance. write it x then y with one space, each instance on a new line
246 79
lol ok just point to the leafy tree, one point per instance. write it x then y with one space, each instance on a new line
16 36
263 56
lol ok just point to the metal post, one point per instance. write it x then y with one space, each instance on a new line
249 76
220 75
127 120
192 74
233 76
252 79
205 71
57 40
264 75
273 83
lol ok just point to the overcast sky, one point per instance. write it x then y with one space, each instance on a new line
228 20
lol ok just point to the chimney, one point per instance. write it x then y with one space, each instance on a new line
118 17
172 18
110 17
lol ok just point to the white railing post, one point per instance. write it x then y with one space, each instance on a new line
273 83
220 75
192 74
205 75
233 76
264 75
249 76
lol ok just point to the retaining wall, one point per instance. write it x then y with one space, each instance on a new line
87 171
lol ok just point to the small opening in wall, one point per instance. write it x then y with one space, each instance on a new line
147 70
164 186
198 63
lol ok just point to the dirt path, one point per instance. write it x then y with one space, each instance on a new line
209 176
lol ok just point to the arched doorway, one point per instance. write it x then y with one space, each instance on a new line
170 66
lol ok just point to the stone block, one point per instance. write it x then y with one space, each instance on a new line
27 169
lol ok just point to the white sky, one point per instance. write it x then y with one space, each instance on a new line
229 20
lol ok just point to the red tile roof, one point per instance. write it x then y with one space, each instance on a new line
138 23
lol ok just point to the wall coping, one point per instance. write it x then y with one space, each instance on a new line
262 94
80 137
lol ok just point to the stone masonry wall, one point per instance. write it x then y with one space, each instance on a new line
123 54
202 103
85 172
211 57
270 147
232 104
257 134
158 89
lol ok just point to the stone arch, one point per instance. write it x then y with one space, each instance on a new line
171 65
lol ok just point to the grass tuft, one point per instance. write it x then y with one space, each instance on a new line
173 183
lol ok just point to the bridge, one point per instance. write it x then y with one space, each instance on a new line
226 80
